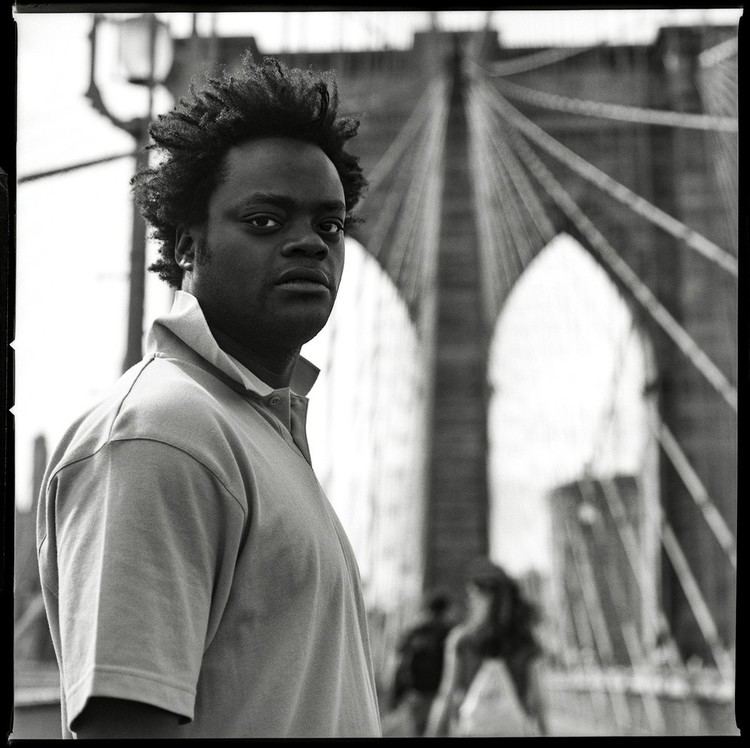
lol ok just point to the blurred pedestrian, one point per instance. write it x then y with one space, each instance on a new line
497 630
196 579
419 665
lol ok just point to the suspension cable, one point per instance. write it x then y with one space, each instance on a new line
403 139
536 60
685 577
628 628
608 416
718 53
636 286
504 177
629 540
529 196
414 199
617 190
422 264
403 159
618 112
584 639
496 276
698 605
595 616
508 197
697 490
509 215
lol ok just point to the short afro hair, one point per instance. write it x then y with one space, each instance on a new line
263 100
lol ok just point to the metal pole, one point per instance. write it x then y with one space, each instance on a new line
134 345
133 349
73 167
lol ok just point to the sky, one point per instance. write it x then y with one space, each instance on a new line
362 29
74 234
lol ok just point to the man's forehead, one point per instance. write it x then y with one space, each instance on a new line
276 165
268 148
290 200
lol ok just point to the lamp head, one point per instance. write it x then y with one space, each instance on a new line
146 49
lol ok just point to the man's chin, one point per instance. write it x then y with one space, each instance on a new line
298 329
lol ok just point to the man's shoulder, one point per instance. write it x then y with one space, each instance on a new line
158 399
165 393
164 403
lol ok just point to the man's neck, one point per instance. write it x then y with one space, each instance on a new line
274 367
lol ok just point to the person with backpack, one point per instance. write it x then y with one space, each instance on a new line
420 661
493 650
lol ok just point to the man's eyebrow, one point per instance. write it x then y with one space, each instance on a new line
284 201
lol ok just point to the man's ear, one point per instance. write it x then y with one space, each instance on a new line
186 238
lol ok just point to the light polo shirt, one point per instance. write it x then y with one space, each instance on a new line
190 559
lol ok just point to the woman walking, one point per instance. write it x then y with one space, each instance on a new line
493 649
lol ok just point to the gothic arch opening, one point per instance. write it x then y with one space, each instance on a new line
366 428
572 459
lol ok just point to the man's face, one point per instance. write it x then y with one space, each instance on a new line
273 243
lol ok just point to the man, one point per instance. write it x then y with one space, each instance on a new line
196 580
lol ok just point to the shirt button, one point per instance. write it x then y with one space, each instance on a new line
275 400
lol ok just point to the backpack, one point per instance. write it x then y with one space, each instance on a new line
420 664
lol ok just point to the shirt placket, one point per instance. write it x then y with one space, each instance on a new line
291 411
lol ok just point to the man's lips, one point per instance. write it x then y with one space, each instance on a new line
303 277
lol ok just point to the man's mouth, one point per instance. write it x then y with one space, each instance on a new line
304 279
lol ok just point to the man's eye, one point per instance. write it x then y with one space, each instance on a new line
263 222
331 227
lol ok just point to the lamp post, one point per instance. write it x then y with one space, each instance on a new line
146 56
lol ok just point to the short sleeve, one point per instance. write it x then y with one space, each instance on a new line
147 539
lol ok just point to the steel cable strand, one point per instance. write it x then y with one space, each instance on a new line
697 490
614 188
408 219
610 413
720 95
583 632
719 52
505 208
725 163
698 606
631 546
536 60
618 112
403 139
651 705
524 198
495 277
429 236
634 284
419 259
658 621
388 213
687 581
597 622
509 204
425 257
628 629
529 196
726 172
505 212
414 193
394 158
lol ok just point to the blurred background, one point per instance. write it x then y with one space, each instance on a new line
533 356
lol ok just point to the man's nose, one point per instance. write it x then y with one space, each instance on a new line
306 241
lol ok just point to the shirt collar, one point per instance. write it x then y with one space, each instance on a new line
185 320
